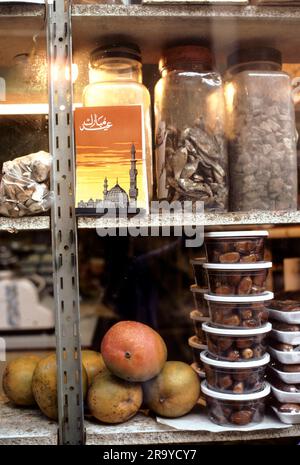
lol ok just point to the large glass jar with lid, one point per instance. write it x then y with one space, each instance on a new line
191 156
115 76
261 132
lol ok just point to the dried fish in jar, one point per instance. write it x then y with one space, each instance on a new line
191 151
261 132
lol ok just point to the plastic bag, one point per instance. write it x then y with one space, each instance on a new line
25 185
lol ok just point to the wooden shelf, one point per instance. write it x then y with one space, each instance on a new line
226 26
29 426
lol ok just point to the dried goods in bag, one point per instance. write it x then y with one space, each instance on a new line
25 185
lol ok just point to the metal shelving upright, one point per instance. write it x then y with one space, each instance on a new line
63 224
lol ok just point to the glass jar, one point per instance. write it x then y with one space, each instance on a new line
191 156
261 132
115 77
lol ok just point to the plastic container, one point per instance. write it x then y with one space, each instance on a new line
235 409
200 303
261 131
243 312
191 150
287 337
284 396
199 272
197 347
288 357
289 378
287 311
237 279
200 373
290 418
235 246
197 321
236 344
235 377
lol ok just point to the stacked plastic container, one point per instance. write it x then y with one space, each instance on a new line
236 358
285 351
199 315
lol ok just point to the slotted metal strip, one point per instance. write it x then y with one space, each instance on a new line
63 224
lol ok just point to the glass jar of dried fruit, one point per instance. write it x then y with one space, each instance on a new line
261 132
191 156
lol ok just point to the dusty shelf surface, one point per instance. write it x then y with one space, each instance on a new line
29 426
222 25
24 426
158 221
208 219
28 223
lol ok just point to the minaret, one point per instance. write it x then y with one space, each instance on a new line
133 191
105 188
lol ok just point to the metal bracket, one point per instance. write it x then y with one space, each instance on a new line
63 224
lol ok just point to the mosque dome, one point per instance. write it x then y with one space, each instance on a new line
117 195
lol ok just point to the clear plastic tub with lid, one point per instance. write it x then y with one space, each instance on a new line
197 320
200 303
197 347
199 272
261 131
235 377
236 344
235 409
235 246
236 311
287 311
284 353
238 278
191 151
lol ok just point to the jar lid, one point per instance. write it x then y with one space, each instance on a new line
246 55
186 56
238 397
238 266
194 342
125 50
236 332
267 295
205 358
220 234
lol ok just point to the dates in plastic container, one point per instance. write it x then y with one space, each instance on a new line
236 311
235 409
236 344
199 272
237 279
197 347
284 353
200 303
235 246
234 377
287 311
